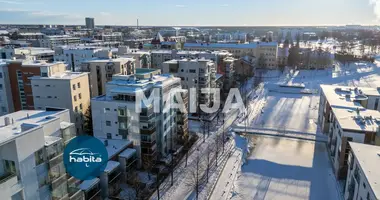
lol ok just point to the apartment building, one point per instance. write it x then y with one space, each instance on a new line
363 172
348 114
6 102
143 58
161 56
110 37
73 56
68 90
34 53
19 73
114 115
102 70
53 41
194 73
31 150
267 51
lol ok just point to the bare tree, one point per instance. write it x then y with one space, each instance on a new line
194 178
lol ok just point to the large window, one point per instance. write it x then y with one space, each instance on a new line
376 104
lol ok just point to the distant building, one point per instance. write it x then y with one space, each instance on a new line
29 53
74 55
363 174
90 23
110 37
54 41
68 90
31 163
348 114
6 101
102 70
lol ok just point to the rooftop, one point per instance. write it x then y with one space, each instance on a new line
368 157
61 76
127 153
19 123
114 147
98 60
111 166
88 184
49 140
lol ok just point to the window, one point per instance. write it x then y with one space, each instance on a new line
76 109
80 107
47 85
1 75
1 86
75 98
376 104
80 96
109 136
36 85
9 166
121 112
107 109
364 186
37 97
108 123
49 97
192 71
78 84
74 87
44 74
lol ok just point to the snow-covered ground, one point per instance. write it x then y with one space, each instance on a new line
280 168
284 110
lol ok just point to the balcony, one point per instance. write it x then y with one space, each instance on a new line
148 131
7 181
75 193
148 144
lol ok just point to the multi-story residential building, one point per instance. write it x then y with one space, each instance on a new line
114 114
90 22
68 90
143 58
6 102
31 146
30 36
264 51
363 173
102 70
19 73
53 41
282 58
110 37
228 74
348 114
194 73
240 36
27 53
75 55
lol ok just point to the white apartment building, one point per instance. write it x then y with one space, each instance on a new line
266 50
6 102
110 37
114 115
143 58
68 90
75 55
6 52
241 36
53 41
363 172
35 53
102 70
348 114
31 150
194 73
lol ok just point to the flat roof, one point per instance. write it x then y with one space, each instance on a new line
111 166
349 120
115 146
34 63
88 184
49 140
127 153
61 76
105 60
368 157
29 119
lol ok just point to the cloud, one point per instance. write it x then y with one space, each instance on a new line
18 2
180 6
376 8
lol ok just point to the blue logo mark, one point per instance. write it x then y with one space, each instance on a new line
85 157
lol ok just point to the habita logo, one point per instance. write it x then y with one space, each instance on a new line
85 157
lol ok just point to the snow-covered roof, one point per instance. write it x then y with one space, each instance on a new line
368 157
49 140
114 147
62 76
127 153
230 46
111 166
88 184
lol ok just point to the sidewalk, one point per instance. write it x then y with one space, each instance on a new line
226 179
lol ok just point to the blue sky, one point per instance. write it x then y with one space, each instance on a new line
193 13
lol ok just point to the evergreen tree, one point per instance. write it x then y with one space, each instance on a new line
88 128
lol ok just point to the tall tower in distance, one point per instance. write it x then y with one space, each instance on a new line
137 27
90 23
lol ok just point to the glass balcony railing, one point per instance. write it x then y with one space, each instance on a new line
7 177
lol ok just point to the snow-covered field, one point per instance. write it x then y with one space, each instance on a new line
285 169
